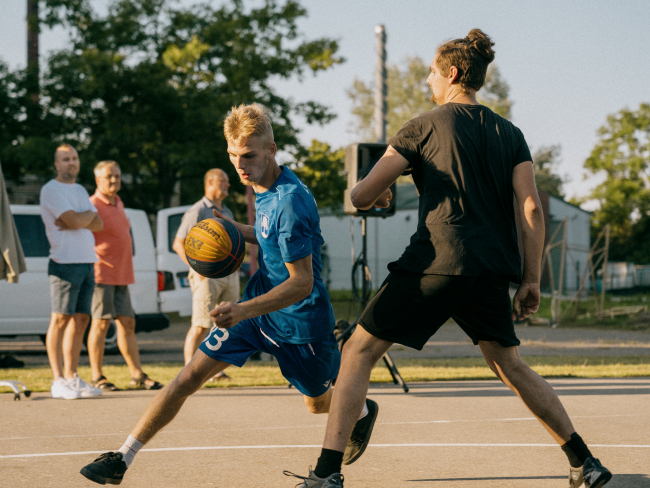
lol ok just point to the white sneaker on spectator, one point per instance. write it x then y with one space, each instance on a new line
84 389
61 389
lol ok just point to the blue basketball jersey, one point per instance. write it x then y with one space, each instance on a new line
287 228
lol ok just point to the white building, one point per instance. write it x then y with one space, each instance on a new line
578 241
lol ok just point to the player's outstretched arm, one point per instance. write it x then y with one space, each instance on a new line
526 300
295 288
247 231
374 190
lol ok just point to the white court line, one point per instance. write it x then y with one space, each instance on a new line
303 446
311 426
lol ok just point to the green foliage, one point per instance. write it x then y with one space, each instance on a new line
622 154
149 84
409 96
322 169
545 161
495 92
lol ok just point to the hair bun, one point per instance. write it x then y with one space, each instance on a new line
481 42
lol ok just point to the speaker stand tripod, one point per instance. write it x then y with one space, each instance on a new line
366 288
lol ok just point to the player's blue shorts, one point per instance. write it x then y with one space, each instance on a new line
309 367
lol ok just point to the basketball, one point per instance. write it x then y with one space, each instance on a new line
214 248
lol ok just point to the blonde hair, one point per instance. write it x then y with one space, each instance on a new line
103 164
246 121
212 174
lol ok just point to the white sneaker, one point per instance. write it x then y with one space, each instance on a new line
84 389
61 389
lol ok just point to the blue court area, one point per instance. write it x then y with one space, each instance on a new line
447 434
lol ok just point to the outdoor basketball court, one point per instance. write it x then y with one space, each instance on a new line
446 434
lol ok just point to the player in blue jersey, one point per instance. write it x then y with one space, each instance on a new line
285 310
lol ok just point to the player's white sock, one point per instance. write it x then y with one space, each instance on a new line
364 412
130 449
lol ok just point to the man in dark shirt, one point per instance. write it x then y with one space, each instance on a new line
466 162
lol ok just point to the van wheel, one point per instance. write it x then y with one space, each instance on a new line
110 344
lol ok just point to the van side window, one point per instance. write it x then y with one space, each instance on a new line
31 232
173 223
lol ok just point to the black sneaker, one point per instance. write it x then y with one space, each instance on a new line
361 434
591 474
312 481
107 468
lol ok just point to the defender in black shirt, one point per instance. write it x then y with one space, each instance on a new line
467 163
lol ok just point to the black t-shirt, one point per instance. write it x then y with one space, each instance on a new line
461 157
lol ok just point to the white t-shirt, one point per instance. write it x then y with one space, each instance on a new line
67 246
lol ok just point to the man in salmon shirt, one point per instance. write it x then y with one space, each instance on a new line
113 274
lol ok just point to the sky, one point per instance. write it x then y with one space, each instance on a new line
569 64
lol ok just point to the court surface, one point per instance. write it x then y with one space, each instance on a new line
445 434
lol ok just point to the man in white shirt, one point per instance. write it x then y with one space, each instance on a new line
70 220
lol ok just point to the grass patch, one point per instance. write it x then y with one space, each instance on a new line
412 370
585 316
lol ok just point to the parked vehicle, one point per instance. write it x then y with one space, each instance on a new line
25 307
175 294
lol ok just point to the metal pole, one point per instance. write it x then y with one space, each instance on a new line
565 223
32 60
380 85
605 277
364 245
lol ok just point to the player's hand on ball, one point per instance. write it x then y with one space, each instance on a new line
226 315
526 301
384 199
219 215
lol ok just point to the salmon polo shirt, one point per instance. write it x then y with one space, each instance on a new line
113 243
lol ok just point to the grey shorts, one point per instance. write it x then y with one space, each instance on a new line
109 301
71 287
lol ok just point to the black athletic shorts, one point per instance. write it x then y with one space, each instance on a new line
409 308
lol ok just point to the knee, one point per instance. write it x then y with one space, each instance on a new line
127 324
196 332
509 368
363 349
187 382
100 326
60 321
317 406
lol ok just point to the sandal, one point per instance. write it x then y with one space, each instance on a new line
141 383
104 384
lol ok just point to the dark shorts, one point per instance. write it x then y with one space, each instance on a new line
409 308
71 287
309 367
109 301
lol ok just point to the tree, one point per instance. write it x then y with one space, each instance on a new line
545 161
409 96
495 93
149 84
322 169
622 155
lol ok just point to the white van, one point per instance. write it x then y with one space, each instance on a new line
160 276
175 295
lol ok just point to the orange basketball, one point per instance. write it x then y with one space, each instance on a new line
214 248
